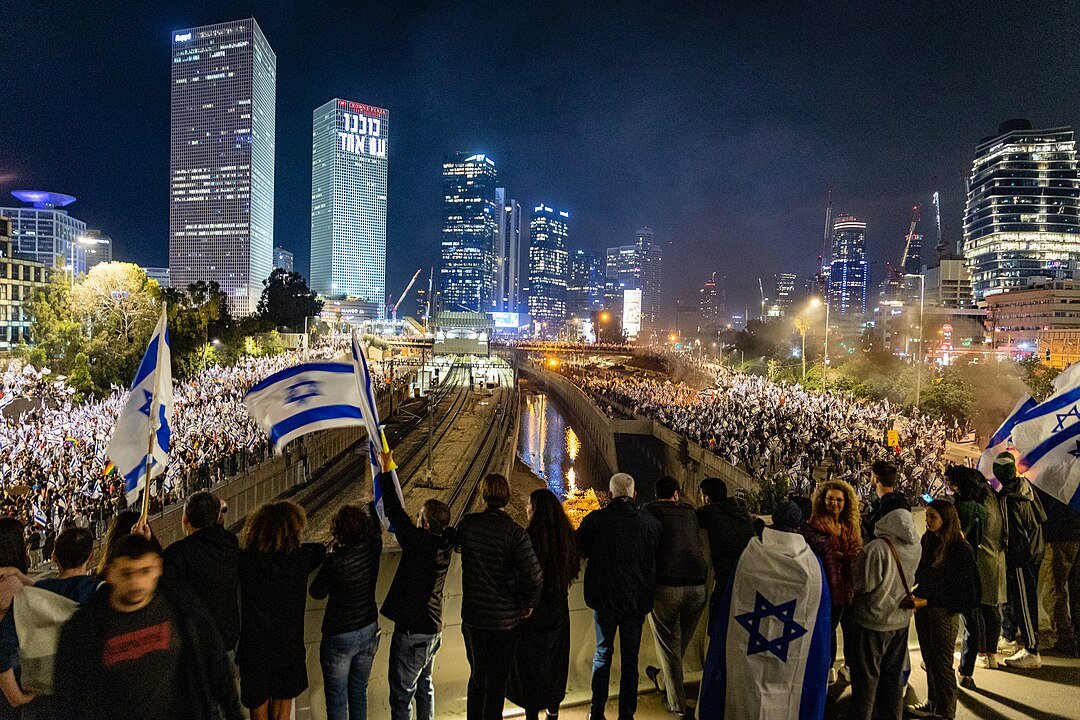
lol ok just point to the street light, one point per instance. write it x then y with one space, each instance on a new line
802 326
919 362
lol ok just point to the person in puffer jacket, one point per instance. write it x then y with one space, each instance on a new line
879 631
501 582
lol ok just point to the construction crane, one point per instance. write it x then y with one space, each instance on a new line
916 216
393 310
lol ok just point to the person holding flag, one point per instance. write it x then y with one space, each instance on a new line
140 442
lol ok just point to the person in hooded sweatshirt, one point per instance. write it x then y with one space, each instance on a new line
1022 519
883 574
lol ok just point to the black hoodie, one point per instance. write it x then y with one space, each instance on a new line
207 561
1023 518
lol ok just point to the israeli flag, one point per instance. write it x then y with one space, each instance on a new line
376 439
1002 440
145 420
39 516
303 399
770 650
1047 439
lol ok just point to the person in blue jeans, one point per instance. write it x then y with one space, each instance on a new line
351 623
620 541
415 599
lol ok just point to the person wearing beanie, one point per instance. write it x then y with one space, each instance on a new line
729 528
786 517
1022 519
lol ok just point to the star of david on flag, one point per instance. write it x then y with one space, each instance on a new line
752 622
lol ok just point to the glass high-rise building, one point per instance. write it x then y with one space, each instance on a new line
470 224
711 304
221 148
508 254
283 259
847 270
348 203
45 232
1022 217
585 284
636 267
549 233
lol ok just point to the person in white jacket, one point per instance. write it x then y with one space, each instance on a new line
879 631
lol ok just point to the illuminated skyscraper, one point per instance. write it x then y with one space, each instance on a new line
348 203
1022 217
470 224
283 259
508 254
549 231
711 304
635 267
847 271
45 232
221 197
585 284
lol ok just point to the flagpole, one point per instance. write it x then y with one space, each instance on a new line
146 481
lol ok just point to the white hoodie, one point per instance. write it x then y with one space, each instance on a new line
877 580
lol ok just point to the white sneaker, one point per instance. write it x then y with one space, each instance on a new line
832 676
1007 647
1024 660
987 661
922 710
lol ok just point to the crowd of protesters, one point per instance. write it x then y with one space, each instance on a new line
53 461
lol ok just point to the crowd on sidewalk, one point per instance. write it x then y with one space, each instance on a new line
215 623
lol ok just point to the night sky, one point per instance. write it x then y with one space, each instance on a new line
721 125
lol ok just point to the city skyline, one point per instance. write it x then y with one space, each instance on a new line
749 185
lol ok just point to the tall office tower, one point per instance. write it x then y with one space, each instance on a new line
508 254
283 259
711 303
584 284
348 203
651 259
549 232
847 270
622 272
98 248
221 197
470 223
1022 217
45 232
785 289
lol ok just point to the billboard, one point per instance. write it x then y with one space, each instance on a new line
631 312
506 319
361 129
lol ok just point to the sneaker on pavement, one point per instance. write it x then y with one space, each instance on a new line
987 661
832 676
1024 660
1007 647
922 710
967 682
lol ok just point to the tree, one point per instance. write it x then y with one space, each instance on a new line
80 377
54 327
947 396
198 315
286 300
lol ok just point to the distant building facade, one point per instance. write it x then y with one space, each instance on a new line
45 232
97 248
848 269
635 267
470 223
549 233
711 305
508 254
18 278
283 259
1022 217
585 284
349 144
1017 316
948 284
221 198
161 274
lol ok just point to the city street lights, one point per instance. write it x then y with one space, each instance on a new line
919 361
802 326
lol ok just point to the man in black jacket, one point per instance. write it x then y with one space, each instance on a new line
620 542
883 475
1062 531
680 589
500 585
729 527
142 649
415 599
207 561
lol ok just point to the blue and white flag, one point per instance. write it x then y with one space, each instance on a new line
1047 439
145 421
1002 440
376 440
769 655
39 517
305 398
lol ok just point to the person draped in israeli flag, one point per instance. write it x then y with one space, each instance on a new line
1047 440
1002 440
145 420
376 439
768 658
305 398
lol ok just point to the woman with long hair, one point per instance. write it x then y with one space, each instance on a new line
948 580
981 523
833 533
274 569
542 657
350 627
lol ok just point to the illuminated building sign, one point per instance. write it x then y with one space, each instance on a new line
631 312
181 37
506 319
360 129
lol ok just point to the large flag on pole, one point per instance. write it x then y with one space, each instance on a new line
376 438
305 398
1047 439
1002 440
769 653
140 441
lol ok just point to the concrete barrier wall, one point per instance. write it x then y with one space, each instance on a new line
582 410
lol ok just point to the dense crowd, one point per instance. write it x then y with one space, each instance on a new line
53 461
770 429
168 631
